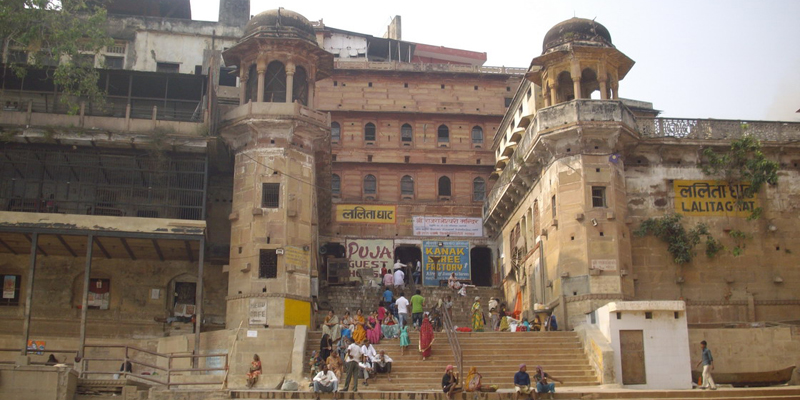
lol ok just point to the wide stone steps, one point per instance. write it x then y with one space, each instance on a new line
567 393
496 355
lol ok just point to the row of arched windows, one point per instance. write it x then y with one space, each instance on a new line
370 186
275 84
406 133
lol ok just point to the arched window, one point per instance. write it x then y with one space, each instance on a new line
336 132
251 87
300 86
369 132
565 87
407 186
589 84
477 135
370 185
275 83
336 185
478 189
406 133
444 186
443 133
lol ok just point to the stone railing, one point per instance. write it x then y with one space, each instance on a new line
420 67
716 129
583 110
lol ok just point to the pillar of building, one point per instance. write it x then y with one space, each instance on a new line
553 94
576 79
262 77
290 70
603 89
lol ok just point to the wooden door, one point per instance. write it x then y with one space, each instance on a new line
631 345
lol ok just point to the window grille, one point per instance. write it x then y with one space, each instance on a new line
270 195
268 264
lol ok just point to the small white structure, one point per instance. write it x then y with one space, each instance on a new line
650 341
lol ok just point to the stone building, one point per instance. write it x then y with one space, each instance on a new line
579 169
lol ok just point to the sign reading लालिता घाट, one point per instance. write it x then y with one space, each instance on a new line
365 214
713 199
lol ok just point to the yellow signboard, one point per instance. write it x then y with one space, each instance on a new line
713 199
361 214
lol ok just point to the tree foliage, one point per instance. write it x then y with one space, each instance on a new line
743 162
68 33
680 242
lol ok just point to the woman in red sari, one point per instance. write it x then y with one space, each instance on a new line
373 328
425 338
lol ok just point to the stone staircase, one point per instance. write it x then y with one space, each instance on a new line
339 298
496 355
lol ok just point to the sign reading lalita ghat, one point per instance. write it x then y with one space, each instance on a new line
365 214
713 199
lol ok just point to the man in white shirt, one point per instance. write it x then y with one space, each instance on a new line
399 278
383 364
351 365
402 309
325 381
367 354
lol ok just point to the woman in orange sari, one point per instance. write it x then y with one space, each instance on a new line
425 338
359 333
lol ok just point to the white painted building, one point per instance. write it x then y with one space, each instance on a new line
650 341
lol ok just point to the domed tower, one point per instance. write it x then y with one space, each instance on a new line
578 58
281 147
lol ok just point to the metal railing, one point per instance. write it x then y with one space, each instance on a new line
167 371
452 338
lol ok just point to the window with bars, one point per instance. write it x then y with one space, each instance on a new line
598 196
477 135
336 185
117 48
336 132
268 264
369 132
370 184
444 186
300 86
478 189
443 133
270 195
407 186
406 133
11 290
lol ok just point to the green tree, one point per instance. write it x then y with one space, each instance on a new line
744 162
67 32
680 241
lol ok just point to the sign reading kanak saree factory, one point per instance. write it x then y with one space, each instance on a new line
713 199
361 214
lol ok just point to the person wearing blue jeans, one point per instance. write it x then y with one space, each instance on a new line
542 386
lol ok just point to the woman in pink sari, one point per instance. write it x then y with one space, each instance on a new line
425 338
373 327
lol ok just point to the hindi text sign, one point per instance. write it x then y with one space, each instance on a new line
366 214
713 199
447 226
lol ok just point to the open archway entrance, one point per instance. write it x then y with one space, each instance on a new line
409 254
481 266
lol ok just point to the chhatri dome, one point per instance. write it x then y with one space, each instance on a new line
280 22
581 31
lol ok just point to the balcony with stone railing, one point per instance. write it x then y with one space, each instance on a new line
363 64
717 129
275 110
547 120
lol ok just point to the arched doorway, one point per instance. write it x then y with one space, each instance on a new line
409 254
481 266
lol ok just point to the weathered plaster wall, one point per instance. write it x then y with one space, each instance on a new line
725 288
58 287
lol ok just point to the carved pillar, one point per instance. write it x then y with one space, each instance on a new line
547 96
242 83
615 90
576 79
603 89
290 68
262 77
553 94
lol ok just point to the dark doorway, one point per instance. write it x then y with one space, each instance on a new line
481 266
407 254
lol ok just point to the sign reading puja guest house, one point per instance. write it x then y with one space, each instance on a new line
369 254
366 214
713 199
447 226
453 256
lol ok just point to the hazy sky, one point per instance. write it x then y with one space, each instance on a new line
729 59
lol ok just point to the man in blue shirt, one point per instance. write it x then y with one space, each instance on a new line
708 365
388 300
522 383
